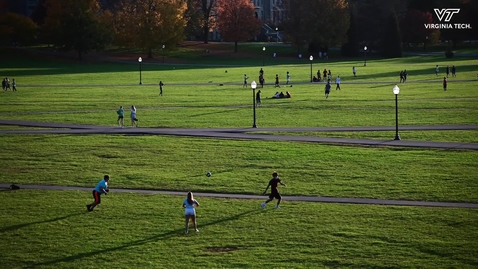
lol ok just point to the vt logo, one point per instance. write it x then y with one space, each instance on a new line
446 13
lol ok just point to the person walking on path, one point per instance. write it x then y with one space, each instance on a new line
401 76
437 70
120 113
447 71
354 71
327 89
337 81
453 71
161 84
405 75
189 205
258 98
273 183
245 81
287 78
14 85
134 120
277 81
101 188
445 83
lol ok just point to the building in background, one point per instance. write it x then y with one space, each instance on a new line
23 7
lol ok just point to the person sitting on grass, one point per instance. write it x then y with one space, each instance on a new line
281 95
287 95
276 95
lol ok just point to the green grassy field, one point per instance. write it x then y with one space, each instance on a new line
50 229
466 136
46 229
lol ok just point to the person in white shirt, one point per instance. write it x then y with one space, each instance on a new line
337 81
189 205
245 81
437 70
134 120
354 71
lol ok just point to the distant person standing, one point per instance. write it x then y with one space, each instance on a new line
161 84
277 81
453 71
258 98
337 82
189 205
401 76
437 70
354 71
261 72
447 71
134 120
445 83
120 113
273 183
101 188
327 89
261 80
14 85
245 81
287 78
405 75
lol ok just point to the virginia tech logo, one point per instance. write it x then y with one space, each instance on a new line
444 16
446 13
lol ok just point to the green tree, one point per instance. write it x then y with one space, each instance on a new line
77 25
150 24
321 22
17 29
236 21
392 40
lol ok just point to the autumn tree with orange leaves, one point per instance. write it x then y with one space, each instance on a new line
150 24
236 21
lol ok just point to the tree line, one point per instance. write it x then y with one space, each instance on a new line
313 25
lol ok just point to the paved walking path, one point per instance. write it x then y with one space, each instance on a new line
250 133
262 197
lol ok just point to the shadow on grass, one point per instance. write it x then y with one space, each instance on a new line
23 225
177 232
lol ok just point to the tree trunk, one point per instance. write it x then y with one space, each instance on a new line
150 53
206 33
235 46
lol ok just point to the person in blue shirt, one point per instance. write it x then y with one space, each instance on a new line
101 188
190 212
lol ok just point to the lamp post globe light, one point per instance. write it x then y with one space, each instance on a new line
263 55
253 86
396 91
365 60
140 79
311 58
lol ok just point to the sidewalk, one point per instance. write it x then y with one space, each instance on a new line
249 133
315 199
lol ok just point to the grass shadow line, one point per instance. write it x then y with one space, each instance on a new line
19 226
134 243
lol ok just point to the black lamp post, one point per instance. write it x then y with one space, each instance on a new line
396 90
311 58
162 50
253 86
263 55
140 79
365 60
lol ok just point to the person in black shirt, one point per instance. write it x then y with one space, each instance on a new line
273 183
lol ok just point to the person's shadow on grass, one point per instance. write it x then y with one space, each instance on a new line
166 235
23 225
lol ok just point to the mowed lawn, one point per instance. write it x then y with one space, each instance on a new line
51 229
243 166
